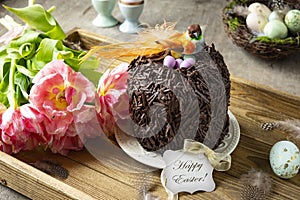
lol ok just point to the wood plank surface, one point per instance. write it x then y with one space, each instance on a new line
252 104
34 183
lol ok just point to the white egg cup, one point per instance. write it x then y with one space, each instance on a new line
104 9
131 14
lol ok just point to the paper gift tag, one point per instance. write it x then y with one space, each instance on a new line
187 172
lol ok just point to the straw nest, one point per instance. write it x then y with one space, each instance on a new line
261 46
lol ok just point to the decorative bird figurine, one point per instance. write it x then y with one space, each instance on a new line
195 34
154 40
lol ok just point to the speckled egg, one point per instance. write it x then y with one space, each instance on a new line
292 20
285 159
259 9
276 15
275 29
256 23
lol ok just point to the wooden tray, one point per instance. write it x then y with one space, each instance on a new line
252 104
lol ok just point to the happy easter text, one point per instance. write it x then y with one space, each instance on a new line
188 172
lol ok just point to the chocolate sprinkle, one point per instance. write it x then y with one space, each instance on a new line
170 105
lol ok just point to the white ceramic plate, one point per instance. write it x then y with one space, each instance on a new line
132 147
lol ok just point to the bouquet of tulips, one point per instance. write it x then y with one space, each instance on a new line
49 96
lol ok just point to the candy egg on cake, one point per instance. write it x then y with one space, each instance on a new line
169 61
178 62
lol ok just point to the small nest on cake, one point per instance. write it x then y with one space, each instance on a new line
261 46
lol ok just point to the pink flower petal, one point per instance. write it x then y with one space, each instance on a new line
59 89
112 85
21 129
13 33
70 141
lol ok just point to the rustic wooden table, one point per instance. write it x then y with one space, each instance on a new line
251 103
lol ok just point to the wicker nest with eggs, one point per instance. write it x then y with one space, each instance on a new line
269 29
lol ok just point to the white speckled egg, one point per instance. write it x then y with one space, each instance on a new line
259 9
256 23
292 20
275 29
276 15
285 159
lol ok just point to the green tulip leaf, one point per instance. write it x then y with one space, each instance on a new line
26 72
22 83
65 55
27 50
28 37
92 75
4 99
39 18
89 64
13 53
46 49
4 70
4 83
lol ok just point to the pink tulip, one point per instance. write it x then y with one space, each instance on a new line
60 93
58 88
83 125
21 129
69 141
13 139
57 116
33 119
86 123
112 85
58 125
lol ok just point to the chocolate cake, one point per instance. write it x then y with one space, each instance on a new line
169 105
